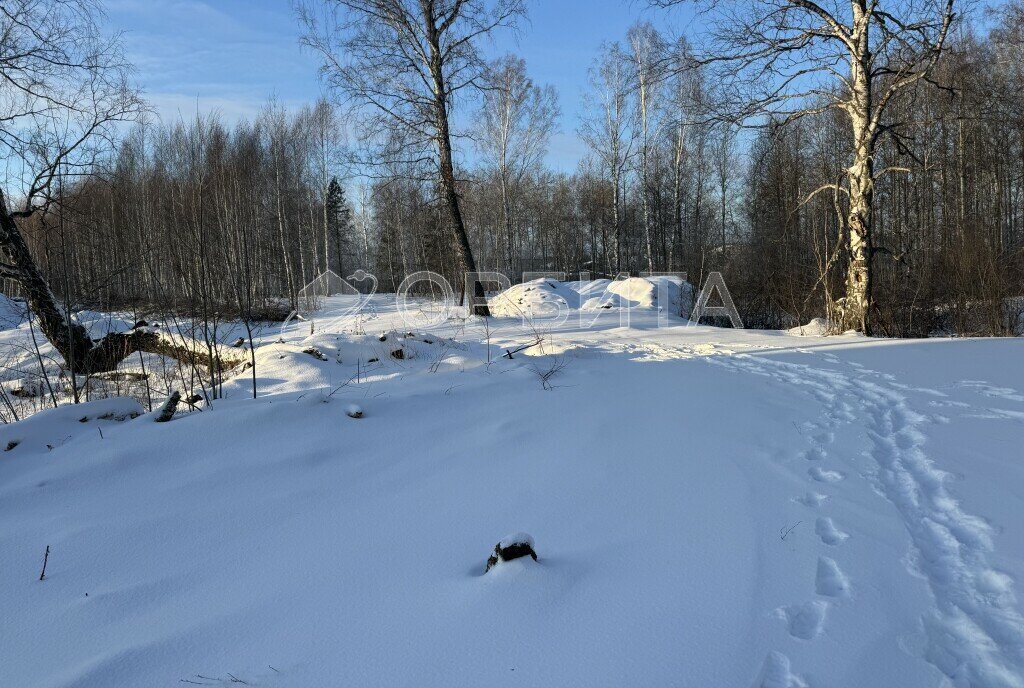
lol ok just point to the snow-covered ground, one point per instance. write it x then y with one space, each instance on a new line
710 508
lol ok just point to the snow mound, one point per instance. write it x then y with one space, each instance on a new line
591 288
817 327
539 298
670 294
547 298
49 429
637 291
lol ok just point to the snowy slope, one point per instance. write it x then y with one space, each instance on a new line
710 508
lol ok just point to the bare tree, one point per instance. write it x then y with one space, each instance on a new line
328 138
516 121
724 160
688 104
648 54
608 129
793 58
65 86
405 62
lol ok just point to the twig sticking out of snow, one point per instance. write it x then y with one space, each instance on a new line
509 352
545 375
46 558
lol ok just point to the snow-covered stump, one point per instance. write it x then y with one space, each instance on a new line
510 547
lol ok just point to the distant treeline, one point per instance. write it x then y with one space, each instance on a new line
206 216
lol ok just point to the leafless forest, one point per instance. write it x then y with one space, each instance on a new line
855 162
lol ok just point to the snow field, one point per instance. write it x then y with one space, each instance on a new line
711 507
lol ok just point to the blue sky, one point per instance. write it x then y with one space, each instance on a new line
232 54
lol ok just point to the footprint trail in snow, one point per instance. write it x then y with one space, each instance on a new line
974 632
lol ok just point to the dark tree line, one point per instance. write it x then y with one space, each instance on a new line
205 218
216 220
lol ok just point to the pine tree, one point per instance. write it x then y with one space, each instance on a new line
339 221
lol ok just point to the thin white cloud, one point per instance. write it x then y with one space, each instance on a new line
171 107
228 58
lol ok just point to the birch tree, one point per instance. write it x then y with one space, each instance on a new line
686 88
326 150
648 55
607 128
404 63
515 124
724 160
793 58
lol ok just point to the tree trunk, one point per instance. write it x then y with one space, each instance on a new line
327 235
644 169
69 338
289 272
677 201
506 211
857 305
616 222
447 166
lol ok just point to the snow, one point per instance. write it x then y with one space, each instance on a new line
715 507
12 312
516 539
651 293
549 299
55 427
817 327
539 298
639 292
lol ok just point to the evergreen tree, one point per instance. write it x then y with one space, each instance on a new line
339 220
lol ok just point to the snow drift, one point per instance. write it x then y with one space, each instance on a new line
549 299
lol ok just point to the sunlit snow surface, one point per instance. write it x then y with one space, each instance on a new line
711 508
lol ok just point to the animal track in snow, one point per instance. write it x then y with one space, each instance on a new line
805 620
973 630
812 499
828 532
949 404
996 586
826 437
994 391
776 673
996 414
814 454
825 476
830 581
